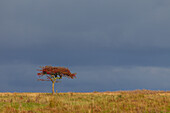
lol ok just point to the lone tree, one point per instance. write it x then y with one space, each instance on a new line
52 73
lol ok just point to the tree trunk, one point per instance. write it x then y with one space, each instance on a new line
53 92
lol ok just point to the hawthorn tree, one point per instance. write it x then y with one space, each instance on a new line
53 73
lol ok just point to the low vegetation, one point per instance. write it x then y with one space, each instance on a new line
137 101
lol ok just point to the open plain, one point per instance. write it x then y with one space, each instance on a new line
137 101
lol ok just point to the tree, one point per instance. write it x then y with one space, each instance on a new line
53 73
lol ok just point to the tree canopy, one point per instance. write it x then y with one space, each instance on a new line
53 73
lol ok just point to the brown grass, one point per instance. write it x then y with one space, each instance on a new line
137 101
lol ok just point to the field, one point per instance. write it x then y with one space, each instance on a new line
137 101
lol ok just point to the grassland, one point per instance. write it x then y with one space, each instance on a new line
137 101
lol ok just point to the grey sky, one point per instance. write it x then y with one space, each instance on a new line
92 37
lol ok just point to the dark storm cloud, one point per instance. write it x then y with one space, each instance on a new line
85 34
150 57
103 78
84 24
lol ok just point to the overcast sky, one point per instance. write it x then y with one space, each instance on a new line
111 44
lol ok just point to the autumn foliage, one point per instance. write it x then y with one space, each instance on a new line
53 73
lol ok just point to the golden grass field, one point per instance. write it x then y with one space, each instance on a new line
137 101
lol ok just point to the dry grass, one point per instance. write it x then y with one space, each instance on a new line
137 101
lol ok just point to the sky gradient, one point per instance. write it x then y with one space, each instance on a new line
110 44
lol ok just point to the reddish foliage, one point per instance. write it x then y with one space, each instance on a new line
38 73
55 72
